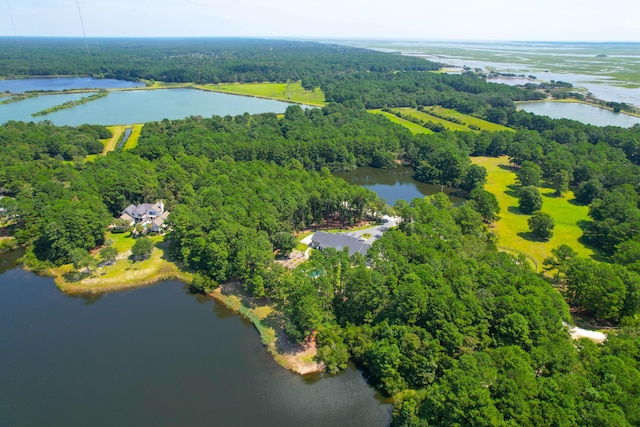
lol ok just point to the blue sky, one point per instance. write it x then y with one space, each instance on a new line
541 20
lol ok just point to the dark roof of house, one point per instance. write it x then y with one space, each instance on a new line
340 241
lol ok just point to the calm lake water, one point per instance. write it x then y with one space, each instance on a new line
138 107
154 356
63 83
393 184
581 112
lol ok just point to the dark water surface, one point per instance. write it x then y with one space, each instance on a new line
154 356
394 184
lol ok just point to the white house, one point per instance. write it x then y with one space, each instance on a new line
146 213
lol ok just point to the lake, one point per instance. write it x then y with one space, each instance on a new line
154 356
394 184
139 106
63 83
582 112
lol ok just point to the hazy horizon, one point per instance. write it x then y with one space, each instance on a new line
466 20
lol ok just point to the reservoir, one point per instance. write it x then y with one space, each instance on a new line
394 184
63 83
154 356
138 106
584 113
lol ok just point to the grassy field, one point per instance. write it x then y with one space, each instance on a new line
134 137
413 127
111 143
469 120
165 85
445 113
124 274
429 118
512 228
292 92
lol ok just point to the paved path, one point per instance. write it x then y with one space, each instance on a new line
377 230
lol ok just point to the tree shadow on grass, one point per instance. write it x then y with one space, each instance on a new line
512 190
552 195
529 236
516 210
575 202
583 224
76 276
507 167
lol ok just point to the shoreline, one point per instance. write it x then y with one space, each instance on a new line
298 358
579 101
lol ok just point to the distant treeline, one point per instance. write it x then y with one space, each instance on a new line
194 60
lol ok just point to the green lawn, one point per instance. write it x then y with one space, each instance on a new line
413 127
469 120
281 91
445 113
134 137
124 273
429 118
512 228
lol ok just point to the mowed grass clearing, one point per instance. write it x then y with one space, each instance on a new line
124 273
291 92
512 228
469 120
134 137
413 127
421 115
110 144
445 113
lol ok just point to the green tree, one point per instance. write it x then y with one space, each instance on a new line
476 176
596 287
541 225
560 182
142 248
284 242
109 254
82 259
530 199
486 204
529 174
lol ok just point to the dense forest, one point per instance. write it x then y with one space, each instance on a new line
195 60
456 331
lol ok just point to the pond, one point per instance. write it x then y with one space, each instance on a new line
63 83
154 356
139 106
394 184
584 113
